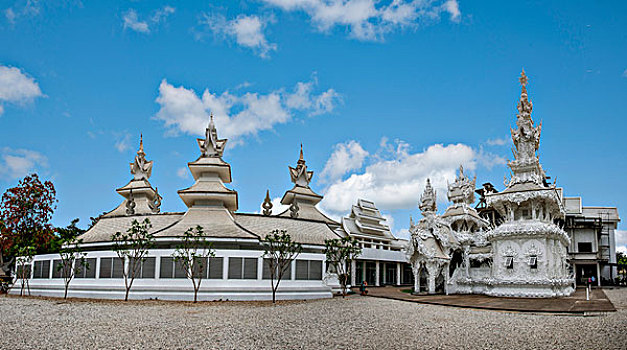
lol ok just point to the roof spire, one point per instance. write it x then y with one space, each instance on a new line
141 168
267 204
301 159
300 175
211 146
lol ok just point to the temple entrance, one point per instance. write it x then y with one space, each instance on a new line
371 273
424 281
456 261
584 272
389 273
439 283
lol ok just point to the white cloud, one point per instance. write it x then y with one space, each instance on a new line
236 116
302 99
452 7
122 141
132 21
621 240
369 19
17 87
247 31
498 141
17 163
162 14
183 173
625 74
346 157
395 177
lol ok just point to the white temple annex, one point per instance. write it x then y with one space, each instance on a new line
526 240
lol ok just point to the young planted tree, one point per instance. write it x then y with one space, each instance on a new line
193 254
72 261
24 265
280 250
132 247
340 254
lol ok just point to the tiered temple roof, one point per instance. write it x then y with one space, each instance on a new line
212 205
366 220
139 196
301 199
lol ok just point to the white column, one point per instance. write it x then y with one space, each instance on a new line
377 272
598 275
158 267
353 273
398 274
225 267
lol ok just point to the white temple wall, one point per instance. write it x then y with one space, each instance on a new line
160 288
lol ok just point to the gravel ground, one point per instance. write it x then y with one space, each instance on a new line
356 322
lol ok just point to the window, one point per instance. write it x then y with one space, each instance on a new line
111 268
509 262
215 268
308 269
57 269
146 268
41 269
584 247
287 274
243 268
87 271
533 262
171 268
475 263
200 268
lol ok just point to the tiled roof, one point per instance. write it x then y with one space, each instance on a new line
302 231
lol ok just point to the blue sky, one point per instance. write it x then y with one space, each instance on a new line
382 94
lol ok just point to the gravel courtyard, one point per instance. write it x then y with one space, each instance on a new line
356 322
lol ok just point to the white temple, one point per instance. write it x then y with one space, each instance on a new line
525 255
526 241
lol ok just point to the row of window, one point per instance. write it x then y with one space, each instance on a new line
211 268
532 262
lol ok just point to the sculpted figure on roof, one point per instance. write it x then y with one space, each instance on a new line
427 200
463 189
140 167
211 146
300 175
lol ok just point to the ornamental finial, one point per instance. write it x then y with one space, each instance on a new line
523 78
301 159
267 204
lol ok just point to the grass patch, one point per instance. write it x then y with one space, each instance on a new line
408 290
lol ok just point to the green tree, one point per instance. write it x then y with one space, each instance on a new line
25 254
279 252
72 260
132 248
193 254
340 253
25 211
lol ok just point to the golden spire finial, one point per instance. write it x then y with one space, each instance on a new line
141 143
523 78
301 153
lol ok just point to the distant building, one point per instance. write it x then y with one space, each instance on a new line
592 247
382 261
